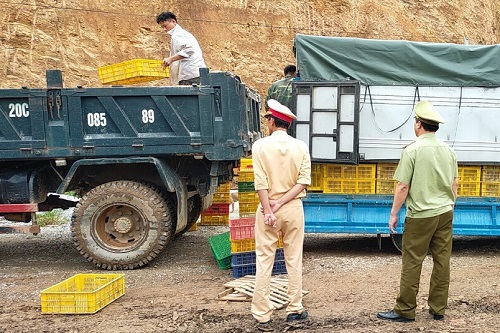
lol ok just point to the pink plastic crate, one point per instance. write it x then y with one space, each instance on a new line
242 228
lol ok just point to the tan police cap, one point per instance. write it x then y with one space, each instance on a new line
426 112
280 111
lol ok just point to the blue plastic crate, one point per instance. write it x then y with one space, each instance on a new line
246 258
221 249
250 269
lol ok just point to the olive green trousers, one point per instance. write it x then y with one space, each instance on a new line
419 236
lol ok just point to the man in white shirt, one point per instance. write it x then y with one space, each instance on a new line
186 57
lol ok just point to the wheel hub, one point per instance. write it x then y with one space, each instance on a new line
123 224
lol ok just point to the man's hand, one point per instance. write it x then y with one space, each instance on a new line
393 223
274 204
270 219
167 62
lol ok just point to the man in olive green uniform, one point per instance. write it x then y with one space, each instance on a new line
427 176
282 169
281 90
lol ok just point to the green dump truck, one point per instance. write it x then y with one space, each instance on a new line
145 161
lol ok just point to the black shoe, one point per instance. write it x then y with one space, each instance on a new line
393 316
436 316
297 316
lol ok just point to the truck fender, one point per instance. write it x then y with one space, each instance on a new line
171 181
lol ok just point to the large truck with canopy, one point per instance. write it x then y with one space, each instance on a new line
144 160
354 105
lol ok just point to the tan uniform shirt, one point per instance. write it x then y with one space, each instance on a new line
279 162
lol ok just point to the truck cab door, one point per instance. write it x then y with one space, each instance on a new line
328 120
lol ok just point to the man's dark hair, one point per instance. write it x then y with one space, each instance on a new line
290 70
429 127
278 122
166 16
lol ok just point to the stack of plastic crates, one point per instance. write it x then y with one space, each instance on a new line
218 213
247 196
243 261
469 181
490 181
349 179
384 182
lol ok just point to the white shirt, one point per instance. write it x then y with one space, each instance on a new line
185 44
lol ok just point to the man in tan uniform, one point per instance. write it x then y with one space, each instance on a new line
427 176
282 170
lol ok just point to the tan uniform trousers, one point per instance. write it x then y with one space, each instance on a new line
420 235
291 223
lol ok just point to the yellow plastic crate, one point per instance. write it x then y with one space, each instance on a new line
340 171
246 165
316 178
214 219
490 189
469 173
247 245
349 186
224 188
385 186
490 173
245 176
248 197
386 170
83 293
248 209
221 198
133 71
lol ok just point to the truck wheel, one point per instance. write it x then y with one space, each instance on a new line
194 210
122 225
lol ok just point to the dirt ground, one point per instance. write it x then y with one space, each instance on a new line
348 278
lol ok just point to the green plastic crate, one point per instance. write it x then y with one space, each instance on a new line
221 249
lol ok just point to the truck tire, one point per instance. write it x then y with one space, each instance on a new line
194 211
122 225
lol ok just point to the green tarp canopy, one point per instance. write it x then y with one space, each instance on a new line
396 62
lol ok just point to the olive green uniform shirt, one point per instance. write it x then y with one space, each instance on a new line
281 91
428 166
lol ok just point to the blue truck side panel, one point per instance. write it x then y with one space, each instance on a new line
369 214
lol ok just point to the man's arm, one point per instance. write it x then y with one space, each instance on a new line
168 61
399 198
289 195
454 188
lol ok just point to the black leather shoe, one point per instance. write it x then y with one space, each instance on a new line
436 316
297 316
393 316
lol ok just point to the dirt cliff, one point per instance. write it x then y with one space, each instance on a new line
252 38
